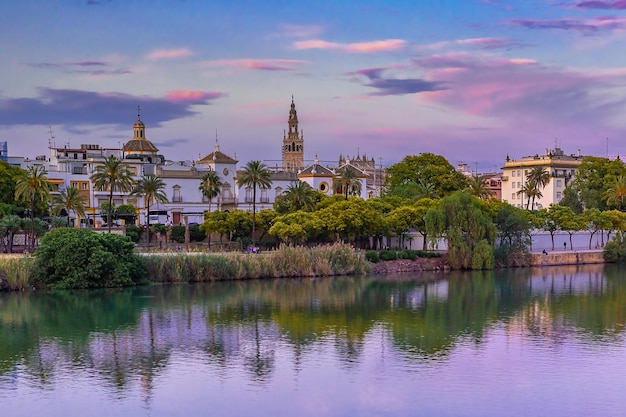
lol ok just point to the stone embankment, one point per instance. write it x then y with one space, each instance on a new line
569 257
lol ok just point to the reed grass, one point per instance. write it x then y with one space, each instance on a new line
16 272
286 261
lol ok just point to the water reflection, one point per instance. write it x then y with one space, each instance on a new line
264 334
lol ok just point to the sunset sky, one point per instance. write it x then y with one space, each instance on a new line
472 80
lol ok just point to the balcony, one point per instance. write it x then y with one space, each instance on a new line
177 199
264 199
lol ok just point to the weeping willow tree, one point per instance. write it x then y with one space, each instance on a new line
467 228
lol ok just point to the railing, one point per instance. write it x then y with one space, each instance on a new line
265 199
177 199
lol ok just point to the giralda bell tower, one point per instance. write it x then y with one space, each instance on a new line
293 143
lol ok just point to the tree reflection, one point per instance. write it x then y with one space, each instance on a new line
128 336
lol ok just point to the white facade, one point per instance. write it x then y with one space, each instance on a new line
561 168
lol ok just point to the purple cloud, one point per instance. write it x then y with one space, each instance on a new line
602 4
586 26
81 108
78 67
395 86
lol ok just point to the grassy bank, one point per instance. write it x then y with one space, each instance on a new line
287 261
16 273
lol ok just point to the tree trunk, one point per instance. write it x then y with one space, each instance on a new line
253 212
148 223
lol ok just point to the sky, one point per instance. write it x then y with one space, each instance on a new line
472 80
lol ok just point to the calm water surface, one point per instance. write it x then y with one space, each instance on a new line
540 342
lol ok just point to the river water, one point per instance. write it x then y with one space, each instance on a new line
525 342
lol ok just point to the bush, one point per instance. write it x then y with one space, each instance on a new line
615 249
82 258
408 254
372 256
134 233
388 255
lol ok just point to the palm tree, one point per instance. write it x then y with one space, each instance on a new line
538 177
210 186
33 187
254 174
112 175
478 188
348 182
300 196
150 187
528 190
616 192
69 199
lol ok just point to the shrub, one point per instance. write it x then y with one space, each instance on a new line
408 254
372 256
82 258
134 233
615 249
388 255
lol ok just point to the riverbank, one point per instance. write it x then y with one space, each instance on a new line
567 257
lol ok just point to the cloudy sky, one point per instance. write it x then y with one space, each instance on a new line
472 80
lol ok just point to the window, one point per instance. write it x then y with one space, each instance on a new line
84 186
513 196
513 173
519 185
519 172
559 183
176 197
558 195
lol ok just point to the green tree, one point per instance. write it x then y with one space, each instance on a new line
112 175
300 196
254 174
596 221
546 220
617 221
9 226
538 177
350 220
151 188
210 186
616 192
478 188
82 258
593 178
33 187
571 199
347 182
428 170
297 227
9 175
468 230
69 200
566 220
530 190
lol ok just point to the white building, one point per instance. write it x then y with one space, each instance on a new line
560 166
73 167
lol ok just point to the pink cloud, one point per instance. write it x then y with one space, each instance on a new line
359 47
179 96
258 64
169 53
522 91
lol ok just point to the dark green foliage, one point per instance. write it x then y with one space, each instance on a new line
372 256
82 258
615 249
388 255
178 234
134 233
408 254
